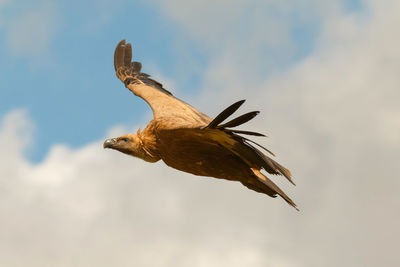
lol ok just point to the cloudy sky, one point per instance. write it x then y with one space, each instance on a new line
324 74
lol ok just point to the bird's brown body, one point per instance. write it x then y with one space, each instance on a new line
190 141
176 148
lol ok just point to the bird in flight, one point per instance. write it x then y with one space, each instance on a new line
190 141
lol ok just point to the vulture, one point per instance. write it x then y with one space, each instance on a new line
190 141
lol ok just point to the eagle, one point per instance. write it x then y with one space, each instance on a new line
189 140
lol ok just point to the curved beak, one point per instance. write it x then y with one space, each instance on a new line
109 143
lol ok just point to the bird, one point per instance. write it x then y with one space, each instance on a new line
190 141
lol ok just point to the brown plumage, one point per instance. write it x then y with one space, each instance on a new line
190 141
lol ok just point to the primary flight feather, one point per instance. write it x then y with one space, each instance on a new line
190 141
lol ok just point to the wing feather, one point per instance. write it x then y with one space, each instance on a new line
221 155
119 55
225 114
128 55
239 120
161 101
242 147
244 132
270 165
263 147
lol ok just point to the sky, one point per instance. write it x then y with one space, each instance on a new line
324 75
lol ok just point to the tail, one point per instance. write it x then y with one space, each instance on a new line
266 186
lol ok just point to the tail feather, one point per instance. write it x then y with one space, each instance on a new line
271 186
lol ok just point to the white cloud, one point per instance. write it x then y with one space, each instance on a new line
255 34
333 120
94 207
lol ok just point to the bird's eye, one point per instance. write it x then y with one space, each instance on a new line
124 139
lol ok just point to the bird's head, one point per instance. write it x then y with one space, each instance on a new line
130 144
126 144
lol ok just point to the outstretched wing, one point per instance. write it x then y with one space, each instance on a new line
242 147
216 153
217 150
161 101
268 164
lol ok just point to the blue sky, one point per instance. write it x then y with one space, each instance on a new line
67 81
68 86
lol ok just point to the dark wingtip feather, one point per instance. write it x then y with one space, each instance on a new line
128 55
137 66
249 140
225 114
125 68
245 132
239 120
119 55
